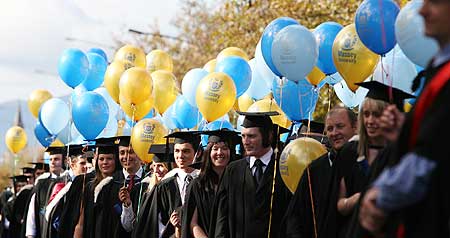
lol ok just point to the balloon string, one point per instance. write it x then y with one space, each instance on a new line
273 184
139 202
312 203
133 108
16 158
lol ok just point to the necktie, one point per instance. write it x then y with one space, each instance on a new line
258 171
131 181
187 180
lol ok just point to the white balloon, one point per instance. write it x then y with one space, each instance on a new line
112 105
409 32
347 97
262 68
54 115
258 86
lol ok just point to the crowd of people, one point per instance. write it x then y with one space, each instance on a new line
385 174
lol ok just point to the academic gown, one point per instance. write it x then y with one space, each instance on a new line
243 208
70 213
42 192
200 198
162 201
18 210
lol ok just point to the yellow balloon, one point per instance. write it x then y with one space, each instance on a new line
215 96
296 156
57 143
36 99
210 66
266 105
145 133
407 107
133 54
244 102
112 77
315 76
354 61
159 60
232 51
15 139
140 110
165 90
136 85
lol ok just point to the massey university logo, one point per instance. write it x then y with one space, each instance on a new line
350 42
130 57
215 85
149 128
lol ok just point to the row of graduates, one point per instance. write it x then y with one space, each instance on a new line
228 197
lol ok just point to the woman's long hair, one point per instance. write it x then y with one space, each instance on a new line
363 145
208 178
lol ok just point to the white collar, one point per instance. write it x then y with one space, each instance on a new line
265 158
182 175
138 173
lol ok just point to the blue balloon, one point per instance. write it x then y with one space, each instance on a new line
96 74
269 35
217 125
375 24
238 70
333 79
54 115
169 118
325 34
73 67
190 82
42 135
90 113
258 88
187 116
296 99
99 52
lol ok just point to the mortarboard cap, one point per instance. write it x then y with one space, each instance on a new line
110 145
20 178
27 170
159 151
222 135
181 137
75 150
258 119
314 126
40 165
382 92
52 150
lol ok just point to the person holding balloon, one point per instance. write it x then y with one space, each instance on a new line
244 207
417 185
322 178
219 152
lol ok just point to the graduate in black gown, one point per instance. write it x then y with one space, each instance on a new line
243 200
163 218
200 195
417 185
14 209
99 217
304 219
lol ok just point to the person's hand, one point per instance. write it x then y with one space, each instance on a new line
371 217
124 196
175 219
391 122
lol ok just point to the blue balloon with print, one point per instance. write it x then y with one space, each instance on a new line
73 67
269 35
187 116
42 135
96 73
375 24
90 114
239 70
296 99
99 52
190 82
325 34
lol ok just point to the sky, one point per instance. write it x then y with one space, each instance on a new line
35 33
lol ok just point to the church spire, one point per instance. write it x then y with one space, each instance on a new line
18 119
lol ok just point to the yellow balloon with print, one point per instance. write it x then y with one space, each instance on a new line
15 139
215 96
296 157
136 85
159 60
354 61
266 105
36 99
244 102
145 133
165 90
140 110
133 54
232 51
210 66
315 76
112 77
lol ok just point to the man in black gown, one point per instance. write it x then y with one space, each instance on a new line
244 199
